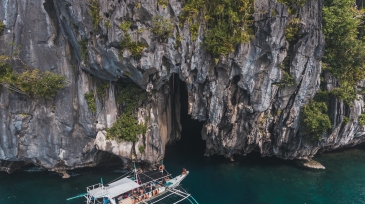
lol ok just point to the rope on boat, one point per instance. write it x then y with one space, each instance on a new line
120 177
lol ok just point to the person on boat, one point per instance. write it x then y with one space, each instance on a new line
163 182
154 190
106 201
141 191
165 179
146 196
161 167
183 172
135 192
120 197
148 188
139 198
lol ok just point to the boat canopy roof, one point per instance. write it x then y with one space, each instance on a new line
114 189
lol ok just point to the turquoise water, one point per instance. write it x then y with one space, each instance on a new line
214 180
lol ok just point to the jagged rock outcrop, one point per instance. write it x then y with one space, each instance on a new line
241 98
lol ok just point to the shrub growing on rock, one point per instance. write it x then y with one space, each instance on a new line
94 10
126 128
2 26
43 85
227 23
362 119
134 47
91 101
315 120
83 50
162 27
292 30
345 48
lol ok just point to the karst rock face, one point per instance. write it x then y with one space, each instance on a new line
240 97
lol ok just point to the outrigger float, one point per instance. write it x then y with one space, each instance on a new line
136 187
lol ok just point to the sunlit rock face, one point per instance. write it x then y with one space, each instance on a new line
241 98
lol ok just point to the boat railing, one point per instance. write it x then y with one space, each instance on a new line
92 187
97 194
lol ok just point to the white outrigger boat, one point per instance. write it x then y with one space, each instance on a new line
136 187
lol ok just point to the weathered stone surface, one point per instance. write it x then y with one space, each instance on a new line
313 164
239 98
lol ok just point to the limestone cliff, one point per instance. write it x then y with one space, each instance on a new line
240 97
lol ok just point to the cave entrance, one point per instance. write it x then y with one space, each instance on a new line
191 142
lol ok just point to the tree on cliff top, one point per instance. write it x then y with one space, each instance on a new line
345 49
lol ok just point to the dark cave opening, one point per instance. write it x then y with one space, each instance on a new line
191 138
50 8
103 158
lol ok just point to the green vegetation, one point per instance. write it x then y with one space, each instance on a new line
83 50
346 120
2 26
128 74
288 80
194 29
278 112
163 3
273 12
91 101
292 30
134 47
127 127
43 85
30 82
107 23
3 60
162 27
315 119
178 40
94 10
141 149
227 22
130 97
322 96
6 73
140 30
293 5
100 90
124 26
362 119
345 50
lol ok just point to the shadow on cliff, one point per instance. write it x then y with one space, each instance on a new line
191 138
